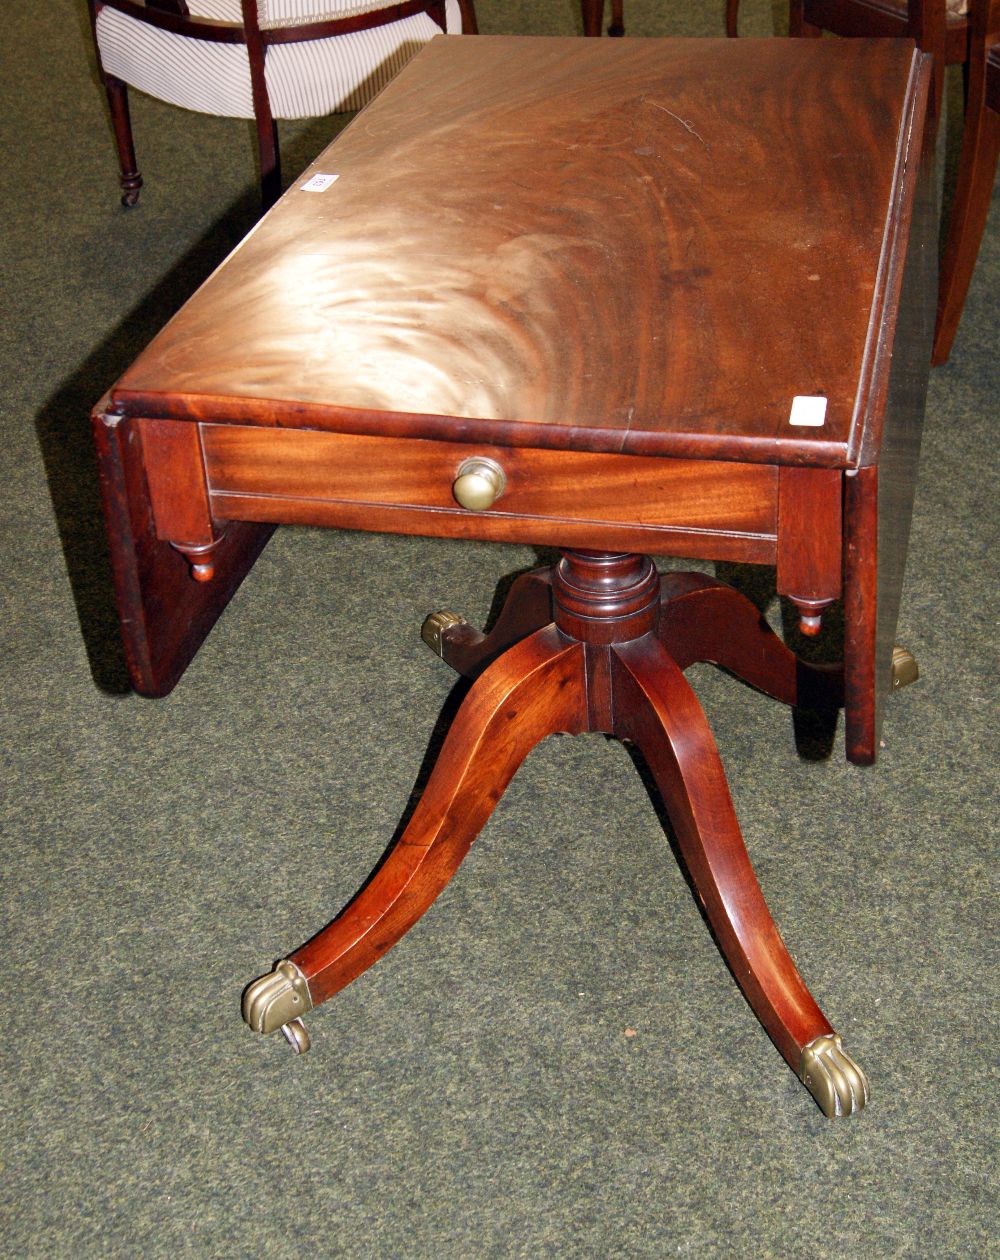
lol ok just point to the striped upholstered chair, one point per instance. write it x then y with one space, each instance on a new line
260 59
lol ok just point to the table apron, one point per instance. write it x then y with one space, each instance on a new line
709 509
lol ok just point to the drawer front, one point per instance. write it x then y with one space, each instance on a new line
670 506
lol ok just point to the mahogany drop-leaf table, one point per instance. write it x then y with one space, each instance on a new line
620 298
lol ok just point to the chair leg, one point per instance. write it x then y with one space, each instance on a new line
797 24
977 166
617 27
267 128
732 18
592 12
270 161
131 180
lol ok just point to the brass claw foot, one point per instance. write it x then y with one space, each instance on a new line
832 1077
904 668
436 626
277 1000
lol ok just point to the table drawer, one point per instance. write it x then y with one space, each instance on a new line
671 506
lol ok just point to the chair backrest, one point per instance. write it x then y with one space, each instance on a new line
313 19
300 12
938 27
210 56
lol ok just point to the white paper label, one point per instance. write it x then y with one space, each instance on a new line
808 410
318 183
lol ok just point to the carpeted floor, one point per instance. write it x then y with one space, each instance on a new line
477 1093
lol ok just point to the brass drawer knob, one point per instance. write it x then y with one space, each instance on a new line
479 483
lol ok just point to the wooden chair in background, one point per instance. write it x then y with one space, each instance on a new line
939 27
955 32
977 165
260 59
592 12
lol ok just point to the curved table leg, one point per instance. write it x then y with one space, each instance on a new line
705 620
527 608
658 711
535 690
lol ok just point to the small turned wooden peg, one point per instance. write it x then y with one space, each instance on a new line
810 530
200 558
811 615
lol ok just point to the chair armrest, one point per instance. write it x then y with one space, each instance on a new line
358 15
164 15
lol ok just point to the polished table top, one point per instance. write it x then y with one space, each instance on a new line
616 272
638 246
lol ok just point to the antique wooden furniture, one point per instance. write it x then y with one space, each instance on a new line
260 59
954 32
939 27
592 12
977 166
610 296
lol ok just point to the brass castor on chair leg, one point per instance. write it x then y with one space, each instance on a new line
832 1077
130 185
904 668
277 1001
436 627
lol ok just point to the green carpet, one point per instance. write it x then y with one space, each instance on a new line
475 1094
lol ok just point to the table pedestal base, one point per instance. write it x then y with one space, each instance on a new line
598 643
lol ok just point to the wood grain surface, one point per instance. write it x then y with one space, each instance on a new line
647 246
164 614
640 503
878 499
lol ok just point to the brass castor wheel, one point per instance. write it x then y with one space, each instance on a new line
276 1003
904 668
130 186
295 1033
436 627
